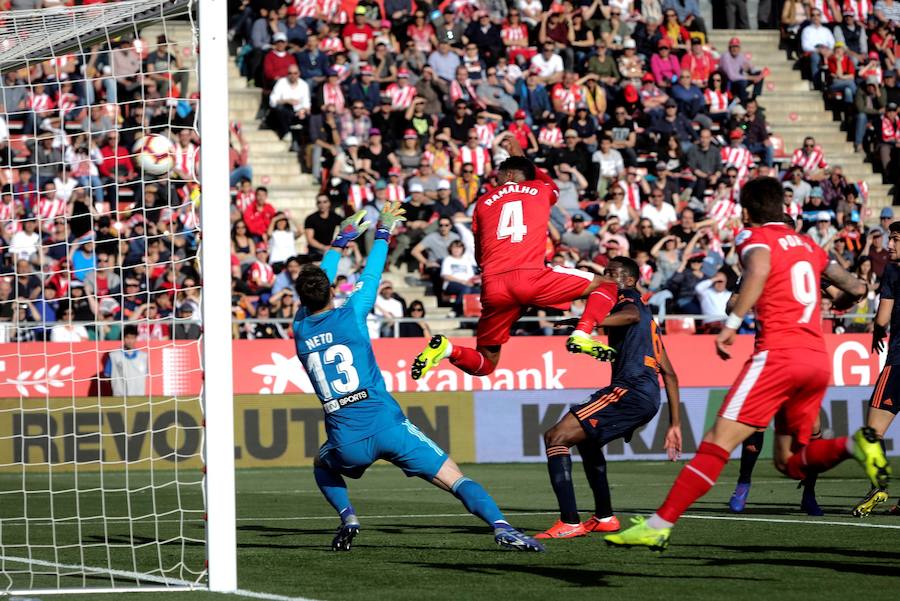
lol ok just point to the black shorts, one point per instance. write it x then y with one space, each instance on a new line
614 412
886 394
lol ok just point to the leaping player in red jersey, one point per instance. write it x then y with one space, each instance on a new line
510 225
786 376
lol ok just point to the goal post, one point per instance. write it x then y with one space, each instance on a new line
218 392
116 449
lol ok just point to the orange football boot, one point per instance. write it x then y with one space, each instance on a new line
562 530
595 524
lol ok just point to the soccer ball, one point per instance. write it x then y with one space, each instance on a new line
155 154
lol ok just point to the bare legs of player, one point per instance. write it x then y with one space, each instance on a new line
701 473
601 295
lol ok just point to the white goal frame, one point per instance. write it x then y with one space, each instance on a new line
216 342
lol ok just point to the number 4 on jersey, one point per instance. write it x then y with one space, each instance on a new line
512 224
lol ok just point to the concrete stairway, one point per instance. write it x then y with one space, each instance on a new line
795 111
275 167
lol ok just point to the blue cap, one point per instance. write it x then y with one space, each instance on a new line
816 192
887 213
380 184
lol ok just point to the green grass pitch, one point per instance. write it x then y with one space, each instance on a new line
418 543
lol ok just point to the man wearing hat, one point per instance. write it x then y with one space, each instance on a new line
853 35
446 205
740 72
401 93
364 89
359 37
580 239
890 135
737 155
672 122
822 232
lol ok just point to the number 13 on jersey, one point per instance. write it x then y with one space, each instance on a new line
512 223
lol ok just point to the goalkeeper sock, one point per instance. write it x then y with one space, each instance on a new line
471 361
334 489
559 464
694 481
599 303
478 502
750 451
594 463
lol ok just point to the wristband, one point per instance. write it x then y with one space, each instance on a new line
733 321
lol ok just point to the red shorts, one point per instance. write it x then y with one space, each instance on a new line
505 295
787 384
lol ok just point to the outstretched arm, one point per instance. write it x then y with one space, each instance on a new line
363 298
350 229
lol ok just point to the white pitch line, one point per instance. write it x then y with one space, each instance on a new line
784 521
108 571
146 577
268 596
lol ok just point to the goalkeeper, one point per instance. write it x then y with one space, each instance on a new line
362 421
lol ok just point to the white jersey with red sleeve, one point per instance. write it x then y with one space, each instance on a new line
510 224
787 312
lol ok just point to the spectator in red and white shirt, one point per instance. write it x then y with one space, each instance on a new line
185 154
700 62
566 95
890 135
811 159
550 135
261 276
473 154
737 155
401 93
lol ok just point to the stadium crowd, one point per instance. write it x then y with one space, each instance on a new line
91 245
648 131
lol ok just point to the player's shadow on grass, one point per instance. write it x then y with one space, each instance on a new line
571 576
747 549
843 567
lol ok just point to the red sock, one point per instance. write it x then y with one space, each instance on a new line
471 361
694 481
599 303
818 456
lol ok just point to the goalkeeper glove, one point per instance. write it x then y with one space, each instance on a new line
351 228
878 334
391 215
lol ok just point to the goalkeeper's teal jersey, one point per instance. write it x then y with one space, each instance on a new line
335 349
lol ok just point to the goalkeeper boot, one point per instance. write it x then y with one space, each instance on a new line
738 499
348 530
875 497
640 535
579 342
563 530
516 540
438 349
868 452
595 524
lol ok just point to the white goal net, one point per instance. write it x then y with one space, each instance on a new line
101 414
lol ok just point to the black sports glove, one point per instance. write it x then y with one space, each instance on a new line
878 334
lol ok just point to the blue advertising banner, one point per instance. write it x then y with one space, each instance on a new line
509 424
